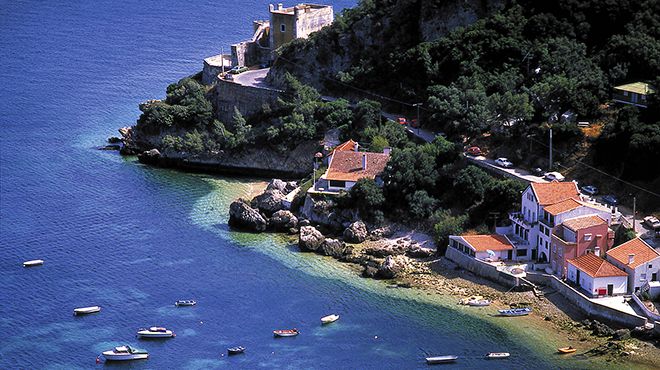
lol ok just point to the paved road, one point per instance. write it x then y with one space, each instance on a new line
254 78
511 172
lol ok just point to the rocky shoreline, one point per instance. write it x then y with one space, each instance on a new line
409 259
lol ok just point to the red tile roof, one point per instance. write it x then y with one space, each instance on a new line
482 243
554 192
563 206
347 146
642 251
347 165
583 222
595 266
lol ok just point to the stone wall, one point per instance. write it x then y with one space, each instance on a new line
247 99
648 313
481 268
589 307
213 67
312 19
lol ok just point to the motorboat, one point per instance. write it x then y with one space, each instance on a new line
497 355
155 332
235 350
33 263
86 310
565 350
286 333
441 359
479 303
125 353
329 319
515 311
185 302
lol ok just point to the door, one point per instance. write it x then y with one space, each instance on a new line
509 255
534 254
610 289
654 276
577 277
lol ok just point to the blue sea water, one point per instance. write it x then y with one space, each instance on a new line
134 239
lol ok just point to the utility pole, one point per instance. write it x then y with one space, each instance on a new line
419 123
494 216
222 59
550 159
634 212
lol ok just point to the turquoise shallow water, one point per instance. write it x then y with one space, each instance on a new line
133 239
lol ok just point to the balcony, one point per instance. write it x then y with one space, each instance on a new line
518 218
549 224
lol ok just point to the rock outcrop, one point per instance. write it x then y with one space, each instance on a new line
324 212
242 216
277 184
310 239
269 202
356 233
391 267
148 156
333 247
283 220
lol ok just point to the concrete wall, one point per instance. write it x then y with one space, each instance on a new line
589 307
481 268
213 67
648 313
247 99
310 20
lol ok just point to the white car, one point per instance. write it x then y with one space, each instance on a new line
554 176
652 222
503 162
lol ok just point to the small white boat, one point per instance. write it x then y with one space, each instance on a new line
125 353
441 359
185 302
33 263
155 332
286 333
497 355
328 319
86 310
479 303
465 301
516 311
235 350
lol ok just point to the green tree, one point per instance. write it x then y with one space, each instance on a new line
378 143
446 225
421 205
368 198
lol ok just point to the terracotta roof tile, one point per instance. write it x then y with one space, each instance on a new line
554 192
347 146
563 206
482 243
578 223
347 165
595 266
642 251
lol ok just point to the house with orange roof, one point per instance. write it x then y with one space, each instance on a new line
347 165
544 207
577 236
638 259
489 248
596 276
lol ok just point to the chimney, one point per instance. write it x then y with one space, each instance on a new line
631 258
597 251
357 146
387 150
364 161
279 6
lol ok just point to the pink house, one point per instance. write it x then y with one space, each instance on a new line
576 237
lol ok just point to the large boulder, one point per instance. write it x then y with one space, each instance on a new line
333 247
283 220
149 156
269 202
420 252
290 186
277 184
310 239
242 216
356 233
391 267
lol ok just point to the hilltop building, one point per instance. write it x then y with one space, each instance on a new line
636 93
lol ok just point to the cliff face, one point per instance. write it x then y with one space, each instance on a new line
368 40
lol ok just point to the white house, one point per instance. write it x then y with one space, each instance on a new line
638 260
545 206
484 247
346 166
597 276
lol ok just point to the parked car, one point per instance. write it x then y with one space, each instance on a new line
228 77
238 69
589 190
414 123
474 150
652 222
554 176
402 121
538 172
503 162
610 199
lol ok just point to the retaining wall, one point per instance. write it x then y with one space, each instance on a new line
247 99
481 268
648 313
591 308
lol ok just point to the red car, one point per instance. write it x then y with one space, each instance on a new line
474 150
414 123
402 121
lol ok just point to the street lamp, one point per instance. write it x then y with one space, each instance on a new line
419 123
316 156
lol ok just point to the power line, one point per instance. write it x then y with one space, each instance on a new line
600 171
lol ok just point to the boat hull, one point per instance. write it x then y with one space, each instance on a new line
33 263
497 355
285 333
86 310
125 357
329 319
168 334
440 359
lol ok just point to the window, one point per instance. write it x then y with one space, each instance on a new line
337 184
650 266
587 237
642 277
521 252
625 93
282 27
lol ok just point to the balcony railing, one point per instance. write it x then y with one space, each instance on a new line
519 218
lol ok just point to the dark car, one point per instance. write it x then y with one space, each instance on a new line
414 123
610 199
538 172
589 190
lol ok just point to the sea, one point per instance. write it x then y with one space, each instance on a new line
134 239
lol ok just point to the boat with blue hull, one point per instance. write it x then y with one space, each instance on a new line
516 311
